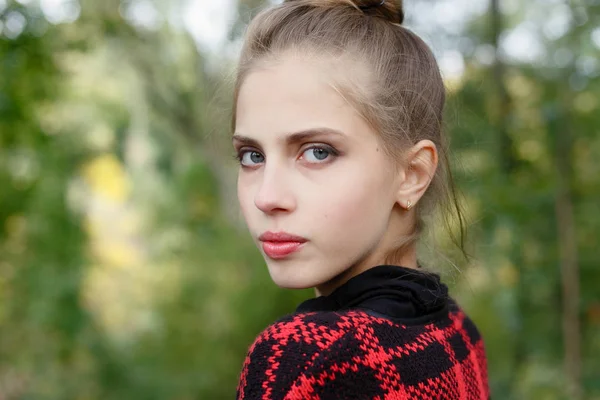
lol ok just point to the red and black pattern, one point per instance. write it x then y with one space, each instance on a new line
357 355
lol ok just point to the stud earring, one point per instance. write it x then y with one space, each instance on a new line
408 205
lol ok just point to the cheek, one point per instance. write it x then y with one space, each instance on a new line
245 196
357 207
354 210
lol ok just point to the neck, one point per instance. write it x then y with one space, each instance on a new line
408 259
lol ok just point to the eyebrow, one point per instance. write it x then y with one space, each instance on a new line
293 138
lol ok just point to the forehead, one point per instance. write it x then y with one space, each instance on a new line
293 94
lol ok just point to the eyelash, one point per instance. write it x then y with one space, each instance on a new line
333 152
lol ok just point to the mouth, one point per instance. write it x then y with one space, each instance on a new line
281 244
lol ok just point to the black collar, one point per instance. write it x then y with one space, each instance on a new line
407 294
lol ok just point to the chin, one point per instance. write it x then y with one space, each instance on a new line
288 276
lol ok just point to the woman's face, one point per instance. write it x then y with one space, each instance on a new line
315 186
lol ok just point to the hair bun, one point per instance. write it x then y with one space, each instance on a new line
390 10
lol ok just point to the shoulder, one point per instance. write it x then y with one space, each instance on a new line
290 355
337 355
354 352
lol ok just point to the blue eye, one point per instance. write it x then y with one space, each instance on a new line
317 154
250 158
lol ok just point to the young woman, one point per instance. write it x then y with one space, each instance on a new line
337 126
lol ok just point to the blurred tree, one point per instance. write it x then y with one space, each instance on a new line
42 255
524 210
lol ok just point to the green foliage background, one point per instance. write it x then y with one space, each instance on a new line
125 269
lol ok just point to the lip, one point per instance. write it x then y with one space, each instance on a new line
280 237
279 245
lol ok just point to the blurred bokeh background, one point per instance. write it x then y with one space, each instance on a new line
125 269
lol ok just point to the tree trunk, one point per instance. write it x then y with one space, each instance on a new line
502 110
565 220
567 245
503 102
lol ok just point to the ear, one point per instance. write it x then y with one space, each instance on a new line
418 169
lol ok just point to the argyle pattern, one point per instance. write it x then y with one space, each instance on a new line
355 355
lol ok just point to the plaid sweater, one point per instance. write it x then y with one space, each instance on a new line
388 333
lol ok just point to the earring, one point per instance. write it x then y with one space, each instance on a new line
408 205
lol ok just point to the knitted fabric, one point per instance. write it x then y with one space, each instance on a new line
359 353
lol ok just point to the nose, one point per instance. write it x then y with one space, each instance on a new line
274 194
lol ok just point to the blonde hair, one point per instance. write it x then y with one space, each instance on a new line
403 97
